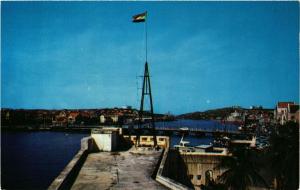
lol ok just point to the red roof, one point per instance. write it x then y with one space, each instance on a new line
73 114
284 104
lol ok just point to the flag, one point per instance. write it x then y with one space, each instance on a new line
140 17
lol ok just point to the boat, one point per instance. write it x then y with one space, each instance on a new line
182 143
184 128
183 146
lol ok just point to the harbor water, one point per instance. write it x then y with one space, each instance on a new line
32 160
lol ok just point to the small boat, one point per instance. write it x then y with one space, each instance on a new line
184 146
182 143
184 129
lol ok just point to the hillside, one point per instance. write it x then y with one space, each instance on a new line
210 114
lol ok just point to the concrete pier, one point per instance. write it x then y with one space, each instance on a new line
131 169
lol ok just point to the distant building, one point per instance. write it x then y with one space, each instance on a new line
114 118
72 117
235 116
102 119
60 119
293 113
286 111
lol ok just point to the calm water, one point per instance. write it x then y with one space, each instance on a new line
32 160
201 124
194 141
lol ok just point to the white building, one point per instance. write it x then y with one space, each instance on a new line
102 119
281 113
106 138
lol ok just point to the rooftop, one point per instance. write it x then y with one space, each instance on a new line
284 104
131 169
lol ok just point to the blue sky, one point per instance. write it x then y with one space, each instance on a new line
202 55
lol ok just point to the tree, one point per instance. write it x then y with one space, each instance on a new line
284 156
240 170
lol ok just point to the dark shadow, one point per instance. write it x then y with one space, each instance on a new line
70 179
153 176
123 144
176 169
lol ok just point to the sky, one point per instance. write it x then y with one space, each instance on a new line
201 55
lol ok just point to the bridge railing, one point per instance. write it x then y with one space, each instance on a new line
195 129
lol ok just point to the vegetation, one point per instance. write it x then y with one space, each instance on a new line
283 156
280 161
241 171
210 114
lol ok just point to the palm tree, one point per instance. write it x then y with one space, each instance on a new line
240 171
284 156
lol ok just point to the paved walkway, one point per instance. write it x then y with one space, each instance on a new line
123 170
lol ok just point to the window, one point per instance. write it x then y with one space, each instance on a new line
144 139
208 177
151 138
161 139
134 138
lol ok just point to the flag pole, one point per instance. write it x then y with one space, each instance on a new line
146 33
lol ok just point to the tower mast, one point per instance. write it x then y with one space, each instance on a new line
146 90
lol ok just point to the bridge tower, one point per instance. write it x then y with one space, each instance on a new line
146 91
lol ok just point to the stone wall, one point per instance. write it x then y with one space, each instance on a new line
191 170
175 168
163 172
201 168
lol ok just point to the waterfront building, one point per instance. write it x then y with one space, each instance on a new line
72 117
106 139
60 119
286 111
202 167
148 141
293 113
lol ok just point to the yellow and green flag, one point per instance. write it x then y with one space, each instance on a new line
140 17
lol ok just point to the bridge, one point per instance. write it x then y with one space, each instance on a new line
168 130
165 130
196 130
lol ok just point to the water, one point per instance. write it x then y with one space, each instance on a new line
208 125
194 141
32 160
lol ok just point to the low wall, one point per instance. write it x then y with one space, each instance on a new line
68 175
168 182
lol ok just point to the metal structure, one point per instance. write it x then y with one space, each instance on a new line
146 91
